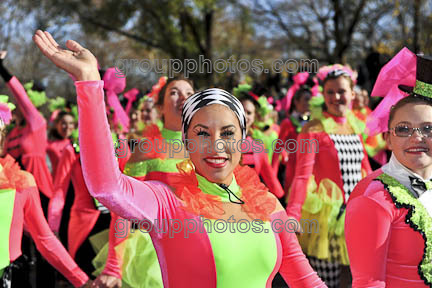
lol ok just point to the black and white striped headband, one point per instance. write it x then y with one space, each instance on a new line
208 97
337 72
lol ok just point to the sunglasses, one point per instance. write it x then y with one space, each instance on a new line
407 131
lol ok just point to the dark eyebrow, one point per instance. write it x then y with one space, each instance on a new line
200 125
228 126
404 122
223 128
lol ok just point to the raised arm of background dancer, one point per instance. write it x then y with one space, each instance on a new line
30 112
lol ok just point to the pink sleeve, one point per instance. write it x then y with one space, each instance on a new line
48 245
127 197
34 119
114 262
269 177
367 244
304 169
61 184
295 268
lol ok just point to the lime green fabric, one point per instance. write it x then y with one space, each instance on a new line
214 189
7 199
140 169
267 141
238 245
171 135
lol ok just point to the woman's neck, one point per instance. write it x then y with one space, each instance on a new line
338 119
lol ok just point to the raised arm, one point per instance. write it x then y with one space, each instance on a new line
34 119
123 195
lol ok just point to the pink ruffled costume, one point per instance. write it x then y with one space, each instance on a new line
27 211
185 262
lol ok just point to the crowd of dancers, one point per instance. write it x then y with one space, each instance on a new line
70 183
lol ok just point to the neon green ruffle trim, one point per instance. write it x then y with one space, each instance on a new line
418 218
330 126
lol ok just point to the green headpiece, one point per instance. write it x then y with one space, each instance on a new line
37 98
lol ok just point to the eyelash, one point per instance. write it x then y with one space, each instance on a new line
203 133
223 134
227 133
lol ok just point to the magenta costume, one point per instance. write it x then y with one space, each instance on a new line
29 144
185 262
27 212
54 150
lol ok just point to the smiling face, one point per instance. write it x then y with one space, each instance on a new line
414 152
175 94
215 124
338 96
65 125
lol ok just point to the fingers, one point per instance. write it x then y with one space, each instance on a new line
51 39
44 44
3 54
74 46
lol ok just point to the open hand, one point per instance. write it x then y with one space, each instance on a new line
75 60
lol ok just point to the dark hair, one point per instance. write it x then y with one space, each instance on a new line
244 96
161 95
297 96
335 74
332 76
53 133
411 99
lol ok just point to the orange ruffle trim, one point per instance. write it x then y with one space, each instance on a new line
153 133
12 177
258 204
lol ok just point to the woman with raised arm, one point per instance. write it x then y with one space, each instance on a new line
124 257
20 206
27 142
388 224
211 188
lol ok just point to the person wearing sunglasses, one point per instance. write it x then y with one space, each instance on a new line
388 225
